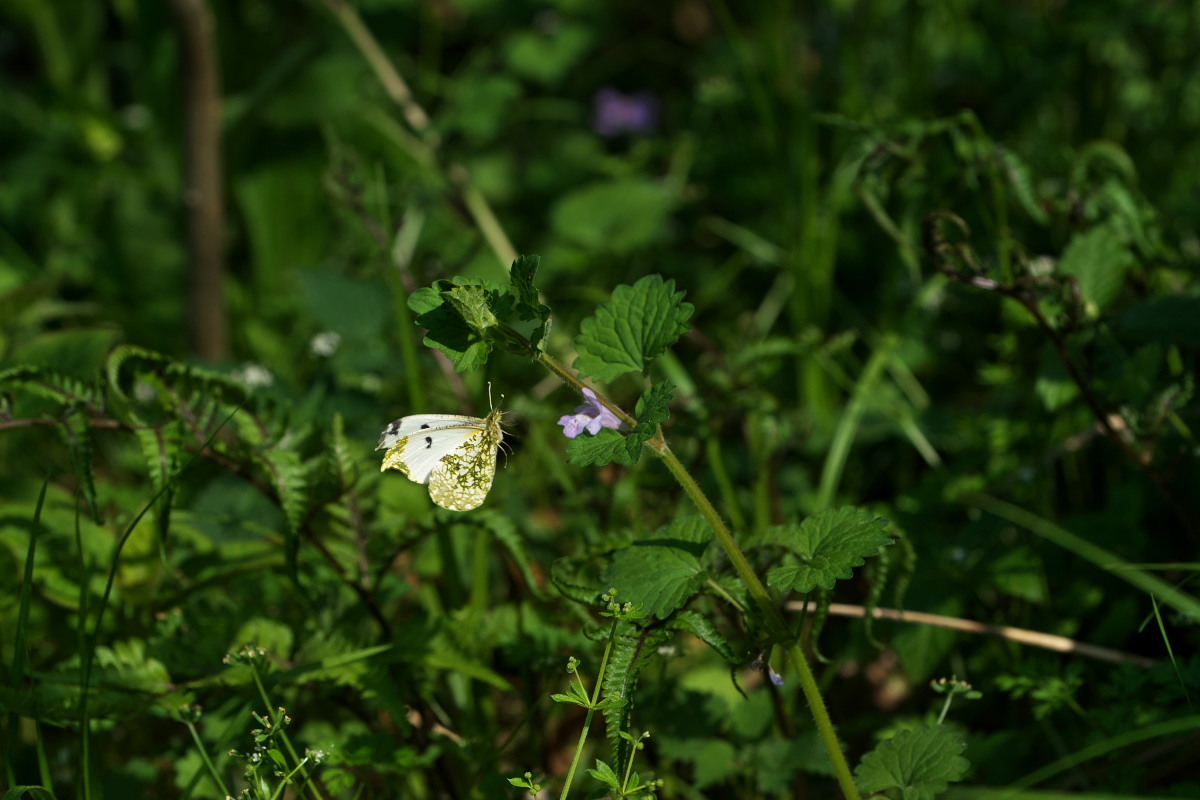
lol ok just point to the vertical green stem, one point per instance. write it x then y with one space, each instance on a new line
587 721
208 764
287 742
774 620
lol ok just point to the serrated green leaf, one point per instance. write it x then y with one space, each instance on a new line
528 307
576 579
663 572
440 310
920 763
521 275
343 457
1021 181
161 447
653 406
1099 259
633 327
288 477
606 447
829 545
703 629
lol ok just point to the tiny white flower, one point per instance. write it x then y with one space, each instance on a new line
325 343
253 376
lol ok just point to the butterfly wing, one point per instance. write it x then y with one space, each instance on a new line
461 480
407 426
416 444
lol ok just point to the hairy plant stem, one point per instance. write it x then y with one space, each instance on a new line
762 598
769 612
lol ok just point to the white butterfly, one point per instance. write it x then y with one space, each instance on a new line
455 455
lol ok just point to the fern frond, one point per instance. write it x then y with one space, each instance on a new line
1021 181
47 385
878 571
289 477
78 435
631 651
348 471
820 614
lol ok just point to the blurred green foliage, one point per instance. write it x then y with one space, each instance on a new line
1035 340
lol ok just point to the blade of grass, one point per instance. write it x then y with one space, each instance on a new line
1162 629
21 640
1180 601
843 436
1101 748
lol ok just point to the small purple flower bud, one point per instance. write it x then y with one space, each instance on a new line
616 113
775 677
591 417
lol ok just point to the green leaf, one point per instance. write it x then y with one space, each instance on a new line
701 626
630 653
663 572
634 326
652 407
610 447
343 458
547 56
287 475
616 216
505 530
714 759
1021 180
33 792
1053 384
78 435
1099 259
574 695
829 545
457 316
161 448
528 306
920 763
606 447
604 773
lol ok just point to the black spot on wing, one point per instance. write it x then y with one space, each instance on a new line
428 439
425 426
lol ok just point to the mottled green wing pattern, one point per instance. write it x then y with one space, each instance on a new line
461 480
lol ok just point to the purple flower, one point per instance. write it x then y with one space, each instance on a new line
617 112
591 416
775 677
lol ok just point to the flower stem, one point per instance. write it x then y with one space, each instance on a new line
587 721
769 611
566 377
